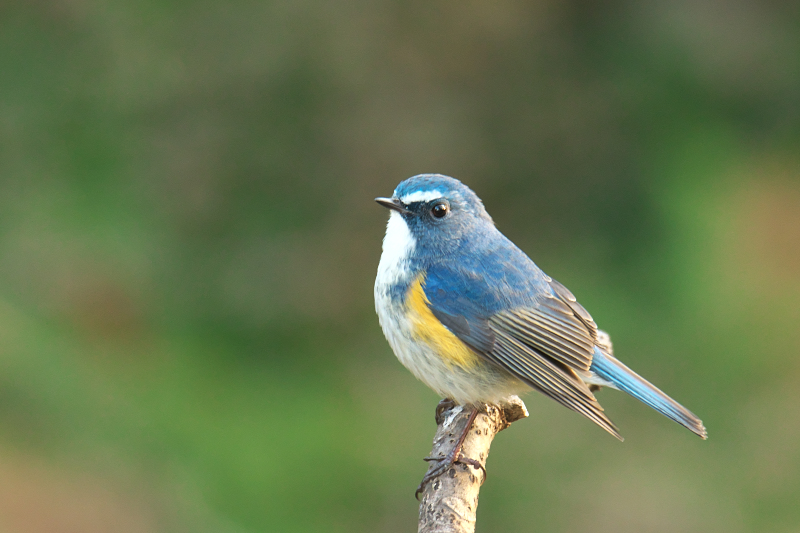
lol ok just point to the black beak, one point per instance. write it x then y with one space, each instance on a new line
393 203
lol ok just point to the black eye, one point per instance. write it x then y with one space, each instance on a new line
439 210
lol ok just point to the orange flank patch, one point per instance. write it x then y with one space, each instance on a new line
428 329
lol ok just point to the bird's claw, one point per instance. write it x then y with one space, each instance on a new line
474 463
445 463
443 405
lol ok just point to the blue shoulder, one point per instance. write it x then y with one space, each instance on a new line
485 279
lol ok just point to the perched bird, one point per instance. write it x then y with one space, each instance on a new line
471 316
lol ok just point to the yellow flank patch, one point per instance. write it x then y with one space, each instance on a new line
427 328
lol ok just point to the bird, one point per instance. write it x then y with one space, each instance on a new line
473 317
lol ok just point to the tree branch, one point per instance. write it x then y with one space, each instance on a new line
450 502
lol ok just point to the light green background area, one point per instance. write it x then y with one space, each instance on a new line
188 244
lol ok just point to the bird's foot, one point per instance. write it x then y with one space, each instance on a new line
474 463
445 463
454 455
443 405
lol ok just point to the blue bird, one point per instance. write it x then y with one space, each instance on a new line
471 316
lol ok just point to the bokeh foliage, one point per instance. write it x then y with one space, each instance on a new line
188 245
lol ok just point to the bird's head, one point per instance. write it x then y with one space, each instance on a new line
437 211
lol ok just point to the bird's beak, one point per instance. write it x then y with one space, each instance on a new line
393 203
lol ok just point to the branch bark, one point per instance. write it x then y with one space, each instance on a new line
450 502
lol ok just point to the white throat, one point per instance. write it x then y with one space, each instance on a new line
398 244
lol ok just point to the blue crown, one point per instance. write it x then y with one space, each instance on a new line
416 188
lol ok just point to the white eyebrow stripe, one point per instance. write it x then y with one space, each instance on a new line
421 196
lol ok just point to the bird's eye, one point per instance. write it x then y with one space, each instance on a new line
440 210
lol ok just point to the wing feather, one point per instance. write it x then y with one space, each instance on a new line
560 384
576 337
567 297
529 329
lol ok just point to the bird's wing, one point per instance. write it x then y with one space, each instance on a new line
543 341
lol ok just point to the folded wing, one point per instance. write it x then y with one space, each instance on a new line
543 343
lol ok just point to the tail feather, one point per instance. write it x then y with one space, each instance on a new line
608 368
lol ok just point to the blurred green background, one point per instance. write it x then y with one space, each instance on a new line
188 244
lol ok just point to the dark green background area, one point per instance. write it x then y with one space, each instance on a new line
188 244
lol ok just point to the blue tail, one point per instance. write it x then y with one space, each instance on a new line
620 376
